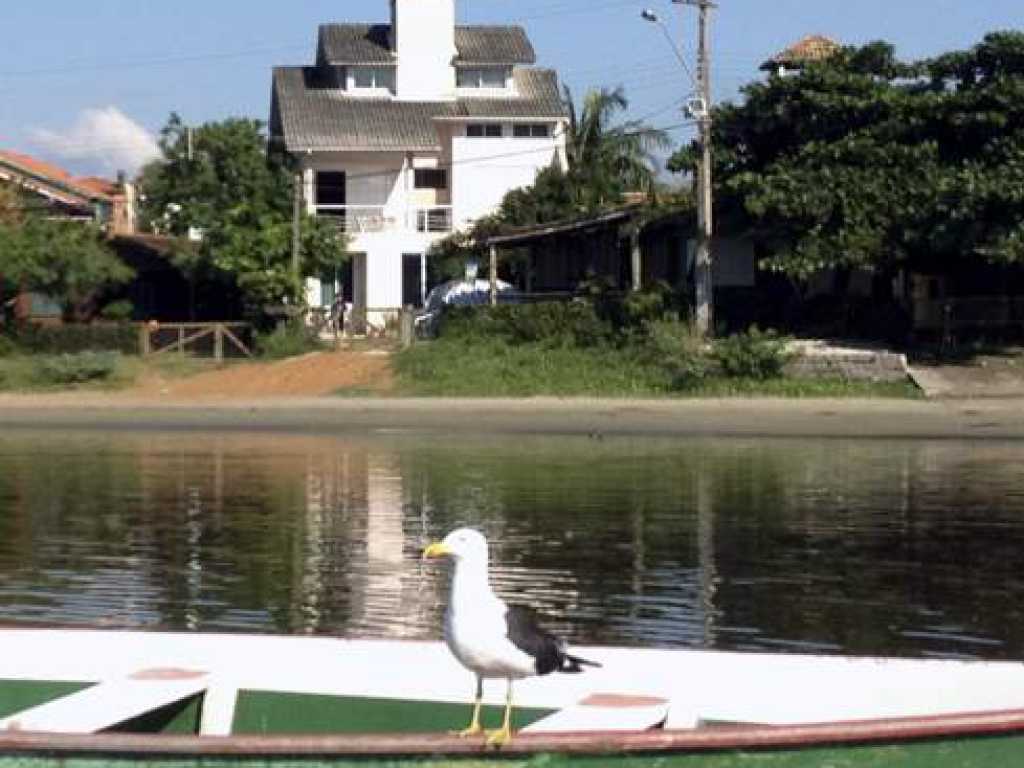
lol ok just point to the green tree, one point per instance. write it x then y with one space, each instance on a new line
222 182
68 261
605 160
866 161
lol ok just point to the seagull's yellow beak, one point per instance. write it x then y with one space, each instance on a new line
437 549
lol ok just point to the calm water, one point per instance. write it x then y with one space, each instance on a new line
856 546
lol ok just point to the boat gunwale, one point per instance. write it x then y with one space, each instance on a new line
715 739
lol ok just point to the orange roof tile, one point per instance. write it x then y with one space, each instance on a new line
810 48
88 188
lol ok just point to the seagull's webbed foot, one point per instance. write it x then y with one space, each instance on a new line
474 729
500 737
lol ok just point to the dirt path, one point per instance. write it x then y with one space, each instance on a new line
983 376
319 373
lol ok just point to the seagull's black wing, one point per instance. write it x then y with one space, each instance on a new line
547 650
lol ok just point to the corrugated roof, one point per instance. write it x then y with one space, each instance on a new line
493 45
320 118
371 44
308 114
355 44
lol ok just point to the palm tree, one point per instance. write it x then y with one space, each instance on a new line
605 160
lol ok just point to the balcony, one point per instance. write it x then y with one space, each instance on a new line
432 219
355 219
363 219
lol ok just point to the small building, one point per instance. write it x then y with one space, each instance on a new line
406 131
57 194
810 49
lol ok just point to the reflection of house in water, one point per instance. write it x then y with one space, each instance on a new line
355 545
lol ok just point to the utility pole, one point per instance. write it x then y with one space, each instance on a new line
703 287
297 226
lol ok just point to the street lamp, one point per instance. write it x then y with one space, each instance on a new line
649 15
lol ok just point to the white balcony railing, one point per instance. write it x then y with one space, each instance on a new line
355 219
434 218
360 219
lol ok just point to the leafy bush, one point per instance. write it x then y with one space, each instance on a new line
70 339
553 324
80 368
680 350
755 354
288 340
7 346
118 311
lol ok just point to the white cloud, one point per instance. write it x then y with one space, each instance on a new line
105 138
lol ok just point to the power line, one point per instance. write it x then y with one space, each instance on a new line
518 153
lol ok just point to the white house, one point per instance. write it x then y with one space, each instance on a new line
409 130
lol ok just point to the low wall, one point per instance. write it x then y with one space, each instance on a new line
818 360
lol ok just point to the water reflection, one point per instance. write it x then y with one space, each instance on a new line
856 546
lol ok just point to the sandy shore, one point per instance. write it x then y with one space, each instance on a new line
728 417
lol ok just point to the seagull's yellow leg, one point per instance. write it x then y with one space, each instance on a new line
474 725
503 735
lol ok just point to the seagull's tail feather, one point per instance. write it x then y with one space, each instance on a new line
574 664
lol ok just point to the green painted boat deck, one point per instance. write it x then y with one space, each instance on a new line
262 712
19 695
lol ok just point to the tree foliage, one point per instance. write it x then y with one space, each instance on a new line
222 182
606 159
866 161
69 261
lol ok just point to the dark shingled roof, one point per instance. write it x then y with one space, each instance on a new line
371 44
493 45
309 114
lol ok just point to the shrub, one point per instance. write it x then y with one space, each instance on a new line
118 311
70 339
288 340
552 324
679 349
79 368
755 354
7 346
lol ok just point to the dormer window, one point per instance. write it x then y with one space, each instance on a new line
372 78
483 77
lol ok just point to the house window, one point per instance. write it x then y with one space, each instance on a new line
431 178
376 78
483 131
531 131
482 77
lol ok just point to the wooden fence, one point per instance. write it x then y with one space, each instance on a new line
216 340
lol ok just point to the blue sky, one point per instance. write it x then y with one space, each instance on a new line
78 81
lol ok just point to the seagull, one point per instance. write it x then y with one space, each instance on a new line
489 637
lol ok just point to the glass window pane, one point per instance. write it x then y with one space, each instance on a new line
541 131
429 178
468 78
363 77
475 131
386 78
493 131
521 131
493 77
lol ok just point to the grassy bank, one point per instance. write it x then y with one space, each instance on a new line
493 368
86 371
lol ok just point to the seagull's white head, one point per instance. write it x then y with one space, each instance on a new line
463 545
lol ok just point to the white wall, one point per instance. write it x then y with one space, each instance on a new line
425 48
484 170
